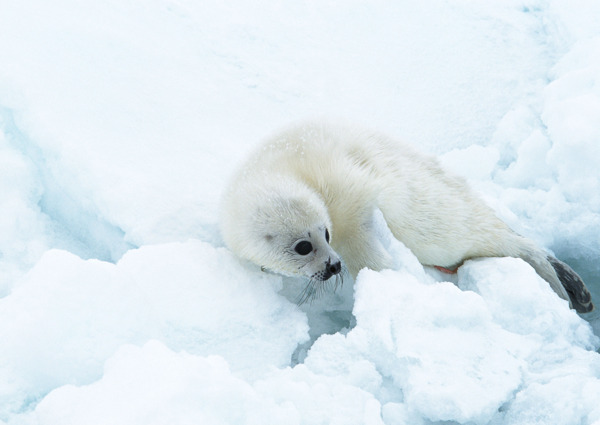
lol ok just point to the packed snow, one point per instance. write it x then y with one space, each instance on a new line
120 123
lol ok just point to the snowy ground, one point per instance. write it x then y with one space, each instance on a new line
120 122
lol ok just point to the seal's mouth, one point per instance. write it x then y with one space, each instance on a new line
322 276
329 271
321 282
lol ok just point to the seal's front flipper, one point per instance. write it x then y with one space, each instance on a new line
578 292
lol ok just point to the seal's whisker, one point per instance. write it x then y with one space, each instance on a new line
308 293
339 280
315 287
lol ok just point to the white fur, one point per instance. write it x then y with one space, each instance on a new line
317 175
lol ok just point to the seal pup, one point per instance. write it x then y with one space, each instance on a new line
302 204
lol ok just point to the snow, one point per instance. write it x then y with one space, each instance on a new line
120 122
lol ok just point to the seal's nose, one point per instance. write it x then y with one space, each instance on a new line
334 268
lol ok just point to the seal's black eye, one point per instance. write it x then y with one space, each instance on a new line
303 248
327 235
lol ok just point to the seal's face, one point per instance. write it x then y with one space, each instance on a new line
306 253
317 260
291 237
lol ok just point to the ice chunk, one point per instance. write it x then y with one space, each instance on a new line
70 315
154 385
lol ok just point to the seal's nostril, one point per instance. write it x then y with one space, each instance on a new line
334 268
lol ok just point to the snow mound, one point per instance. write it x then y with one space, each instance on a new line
434 351
421 352
69 316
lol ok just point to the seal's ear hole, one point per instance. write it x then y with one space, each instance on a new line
268 238
327 235
303 248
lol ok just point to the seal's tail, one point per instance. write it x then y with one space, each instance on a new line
581 300
562 278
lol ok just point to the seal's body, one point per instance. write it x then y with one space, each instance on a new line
317 181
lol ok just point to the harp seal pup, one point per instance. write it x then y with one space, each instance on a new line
302 204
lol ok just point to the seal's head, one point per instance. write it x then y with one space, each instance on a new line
284 228
294 237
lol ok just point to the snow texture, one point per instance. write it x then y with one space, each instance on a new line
120 122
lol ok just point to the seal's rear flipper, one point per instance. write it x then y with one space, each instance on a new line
578 293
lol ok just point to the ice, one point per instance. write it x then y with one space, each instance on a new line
572 106
120 122
69 315
154 385
142 385
432 349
